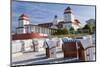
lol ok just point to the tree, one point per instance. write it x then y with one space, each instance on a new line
64 31
91 24
89 27
71 30
80 30
60 32
86 27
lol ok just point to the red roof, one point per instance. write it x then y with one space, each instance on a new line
77 20
27 36
23 17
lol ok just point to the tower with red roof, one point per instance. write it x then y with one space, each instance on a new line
23 20
68 15
23 24
70 20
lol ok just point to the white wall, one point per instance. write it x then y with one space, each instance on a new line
76 27
23 22
67 25
69 17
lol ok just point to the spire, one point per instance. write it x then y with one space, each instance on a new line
68 8
55 22
55 17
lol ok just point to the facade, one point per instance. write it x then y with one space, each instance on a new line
68 21
25 26
26 30
45 29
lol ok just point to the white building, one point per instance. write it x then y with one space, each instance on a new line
70 20
45 29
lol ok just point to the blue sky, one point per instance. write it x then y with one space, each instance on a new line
44 12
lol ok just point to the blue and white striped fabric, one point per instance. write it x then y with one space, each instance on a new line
65 40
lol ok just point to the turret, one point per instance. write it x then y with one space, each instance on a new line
68 15
23 20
